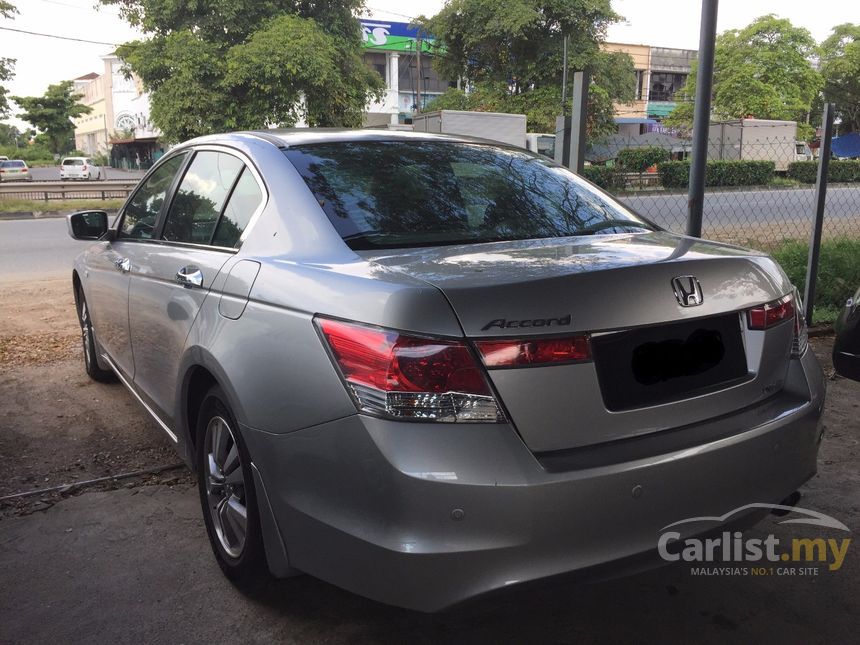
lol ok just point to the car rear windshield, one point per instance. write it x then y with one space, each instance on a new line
385 194
12 164
73 162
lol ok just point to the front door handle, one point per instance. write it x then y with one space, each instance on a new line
123 264
190 276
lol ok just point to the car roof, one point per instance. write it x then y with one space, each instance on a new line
67 158
289 137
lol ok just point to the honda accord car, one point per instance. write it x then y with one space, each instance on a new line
425 367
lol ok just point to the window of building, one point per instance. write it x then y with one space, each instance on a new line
664 85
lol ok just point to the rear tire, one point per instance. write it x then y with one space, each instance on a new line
227 495
88 340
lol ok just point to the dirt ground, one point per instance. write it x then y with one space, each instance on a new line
57 426
128 561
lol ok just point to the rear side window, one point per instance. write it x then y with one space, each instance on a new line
201 196
244 201
142 211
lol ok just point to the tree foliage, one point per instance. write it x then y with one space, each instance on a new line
511 52
840 67
762 71
52 113
7 65
215 65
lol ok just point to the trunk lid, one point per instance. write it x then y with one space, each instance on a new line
619 289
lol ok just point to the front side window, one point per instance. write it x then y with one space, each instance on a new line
386 194
200 197
141 213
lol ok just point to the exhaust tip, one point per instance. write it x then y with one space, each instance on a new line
791 500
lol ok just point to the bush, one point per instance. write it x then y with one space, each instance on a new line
838 271
642 158
603 176
838 170
30 154
676 174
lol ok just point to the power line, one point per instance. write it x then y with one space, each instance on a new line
80 40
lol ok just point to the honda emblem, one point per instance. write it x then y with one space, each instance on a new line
687 290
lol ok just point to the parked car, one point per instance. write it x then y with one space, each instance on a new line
80 168
846 349
423 367
14 170
3 158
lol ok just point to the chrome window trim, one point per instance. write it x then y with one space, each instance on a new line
250 165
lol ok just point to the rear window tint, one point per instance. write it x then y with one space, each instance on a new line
13 164
73 162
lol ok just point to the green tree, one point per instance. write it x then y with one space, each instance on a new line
840 67
511 52
10 135
762 71
52 113
7 65
215 65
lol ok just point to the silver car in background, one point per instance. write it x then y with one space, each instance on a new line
424 367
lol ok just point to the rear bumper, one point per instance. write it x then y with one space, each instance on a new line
427 515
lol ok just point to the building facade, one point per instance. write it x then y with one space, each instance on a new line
119 124
392 49
661 72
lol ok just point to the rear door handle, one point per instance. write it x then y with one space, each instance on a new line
190 276
123 264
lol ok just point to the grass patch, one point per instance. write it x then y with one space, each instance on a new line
838 272
783 182
68 205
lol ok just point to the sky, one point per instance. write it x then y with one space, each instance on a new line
667 23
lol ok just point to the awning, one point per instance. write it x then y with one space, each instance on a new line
634 119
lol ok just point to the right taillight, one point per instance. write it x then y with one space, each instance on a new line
771 314
779 311
403 376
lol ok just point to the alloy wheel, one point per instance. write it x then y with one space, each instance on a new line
225 486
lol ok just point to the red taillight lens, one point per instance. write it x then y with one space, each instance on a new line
542 351
772 313
405 376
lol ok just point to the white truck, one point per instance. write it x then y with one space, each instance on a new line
757 140
496 126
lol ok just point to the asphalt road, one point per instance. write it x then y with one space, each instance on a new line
52 173
779 208
36 249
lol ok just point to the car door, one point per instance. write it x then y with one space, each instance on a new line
109 265
170 282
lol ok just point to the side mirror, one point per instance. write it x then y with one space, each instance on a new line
88 225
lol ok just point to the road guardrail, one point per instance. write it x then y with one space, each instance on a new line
62 190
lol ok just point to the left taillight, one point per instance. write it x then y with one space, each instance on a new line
403 376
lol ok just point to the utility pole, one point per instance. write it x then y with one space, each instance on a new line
702 117
564 78
419 87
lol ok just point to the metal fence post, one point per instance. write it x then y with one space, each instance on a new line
578 116
818 222
702 117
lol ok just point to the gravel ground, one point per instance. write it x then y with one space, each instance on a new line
129 561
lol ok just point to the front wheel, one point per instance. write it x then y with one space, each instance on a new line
88 339
227 494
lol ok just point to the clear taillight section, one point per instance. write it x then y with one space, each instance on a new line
542 351
801 338
402 376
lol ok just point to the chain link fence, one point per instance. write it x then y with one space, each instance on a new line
759 191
